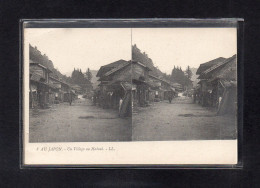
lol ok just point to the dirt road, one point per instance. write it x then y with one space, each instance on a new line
181 120
80 122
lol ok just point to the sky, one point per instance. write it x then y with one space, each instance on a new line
169 47
83 48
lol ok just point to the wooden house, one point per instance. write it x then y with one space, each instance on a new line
161 87
140 84
63 89
41 91
215 81
205 87
115 85
125 81
224 83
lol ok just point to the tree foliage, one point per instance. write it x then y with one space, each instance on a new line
143 58
179 76
188 72
78 78
89 75
37 57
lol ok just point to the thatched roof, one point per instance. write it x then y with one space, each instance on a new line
207 65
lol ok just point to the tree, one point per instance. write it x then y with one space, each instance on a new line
179 76
89 75
188 72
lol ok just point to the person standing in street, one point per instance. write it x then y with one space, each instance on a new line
70 98
194 96
170 96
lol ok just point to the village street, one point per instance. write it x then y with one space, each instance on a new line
181 120
80 122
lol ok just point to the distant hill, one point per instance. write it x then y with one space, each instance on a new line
194 77
43 59
142 57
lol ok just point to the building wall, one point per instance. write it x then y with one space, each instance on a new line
139 71
123 74
38 70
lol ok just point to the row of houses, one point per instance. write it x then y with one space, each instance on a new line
218 84
46 88
127 84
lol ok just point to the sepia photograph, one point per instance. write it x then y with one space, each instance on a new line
78 91
130 95
188 91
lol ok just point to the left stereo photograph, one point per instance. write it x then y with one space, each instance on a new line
64 78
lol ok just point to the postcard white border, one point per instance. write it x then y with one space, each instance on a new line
149 152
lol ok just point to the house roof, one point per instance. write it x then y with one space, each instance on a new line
141 64
165 81
104 69
205 66
38 64
120 66
216 68
228 71
36 77
227 83
56 79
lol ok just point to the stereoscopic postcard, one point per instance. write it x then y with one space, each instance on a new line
146 95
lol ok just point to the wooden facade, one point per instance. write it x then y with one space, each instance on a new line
115 87
41 92
63 89
45 90
217 83
121 79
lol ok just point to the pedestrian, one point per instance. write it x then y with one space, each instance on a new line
95 99
120 103
194 96
170 97
70 98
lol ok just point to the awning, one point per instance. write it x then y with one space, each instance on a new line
126 85
142 82
36 77
227 84
113 82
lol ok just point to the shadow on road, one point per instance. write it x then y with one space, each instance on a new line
92 117
192 115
